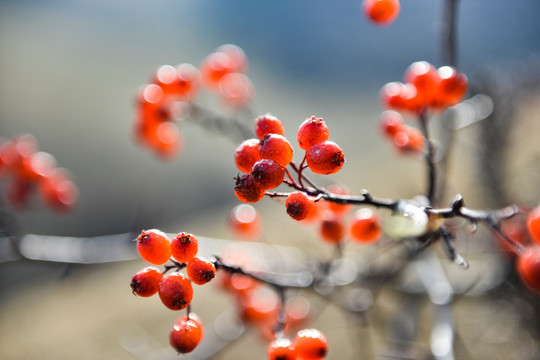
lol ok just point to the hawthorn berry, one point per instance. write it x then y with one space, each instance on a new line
154 246
175 291
166 140
184 247
200 270
528 267
268 124
409 140
281 349
399 96
145 282
58 190
186 334
180 81
246 155
299 205
451 87
236 89
268 174
533 224
312 131
247 190
336 189
381 12
214 67
239 61
245 221
325 158
423 76
277 148
365 226
259 306
331 228
391 122
310 344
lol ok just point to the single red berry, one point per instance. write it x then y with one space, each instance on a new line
391 122
145 282
259 306
268 174
236 54
175 291
277 148
365 226
409 140
528 267
186 334
180 82
268 124
325 158
166 140
424 77
310 344
154 246
341 190
399 96
533 224
299 205
451 87
247 190
331 228
281 349
37 166
200 270
184 247
246 155
58 190
381 12
214 67
312 131
245 222
236 89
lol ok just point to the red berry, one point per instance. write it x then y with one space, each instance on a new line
409 140
200 270
236 54
325 158
401 96
184 247
154 246
268 174
58 190
424 77
276 147
247 154
259 306
365 226
215 66
310 344
382 12
245 221
299 205
528 267
281 349
179 82
236 89
331 228
247 190
451 87
186 334
391 122
175 291
340 209
37 166
312 131
533 224
166 140
268 124
145 282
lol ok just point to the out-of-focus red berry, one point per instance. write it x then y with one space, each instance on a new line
154 246
409 140
58 190
381 12
268 124
236 89
277 148
214 67
236 54
312 131
259 306
145 282
365 226
391 122
533 224
340 209
423 76
175 291
310 344
325 158
451 87
245 222
528 267
331 228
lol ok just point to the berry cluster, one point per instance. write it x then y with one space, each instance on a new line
175 289
381 12
223 72
405 138
28 168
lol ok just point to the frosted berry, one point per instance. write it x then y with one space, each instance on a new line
154 246
247 190
268 174
312 131
175 291
277 148
299 205
365 226
310 344
246 155
268 124
381 12
281 349
145 282
200 270
184 247
325 158
186 334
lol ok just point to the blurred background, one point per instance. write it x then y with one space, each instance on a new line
69 72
